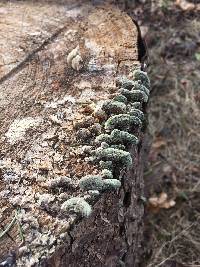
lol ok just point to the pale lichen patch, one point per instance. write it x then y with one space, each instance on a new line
56 103
18 128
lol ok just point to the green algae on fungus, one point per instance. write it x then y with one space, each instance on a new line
91 182
114 107
94 193
120 98
77 205
111 184
125 82
142 76
95 183
138 86
103 138
137 105
125 137
114 155
107 174
122 121
119 146
137 113
106 165
134 95
104 145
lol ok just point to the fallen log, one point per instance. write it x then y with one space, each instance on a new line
72 128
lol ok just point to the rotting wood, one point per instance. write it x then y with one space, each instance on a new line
42 96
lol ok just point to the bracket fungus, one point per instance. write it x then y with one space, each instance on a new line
107 174
96 183
123 137
142 76
137 113
114 155
134 95
106 164
120 98
114 107
121 115
77 205
111 184
122 121
139 86
91 182
103 138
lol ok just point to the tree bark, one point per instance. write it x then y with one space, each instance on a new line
44 92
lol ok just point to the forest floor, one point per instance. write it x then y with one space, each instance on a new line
172 235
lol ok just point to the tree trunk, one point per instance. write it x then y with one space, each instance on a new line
59 60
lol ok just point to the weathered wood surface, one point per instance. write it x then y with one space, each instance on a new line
41 96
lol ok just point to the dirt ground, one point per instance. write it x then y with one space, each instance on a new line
172 30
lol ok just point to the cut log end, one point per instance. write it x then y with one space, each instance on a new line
54 79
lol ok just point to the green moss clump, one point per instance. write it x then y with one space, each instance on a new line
114 155
111 184
120 98
107 174
137 113
124 137
77 205
134 95
122 121
91 182
106 165
114 107
103 138
142 76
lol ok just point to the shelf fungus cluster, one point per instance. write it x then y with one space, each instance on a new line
109 145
